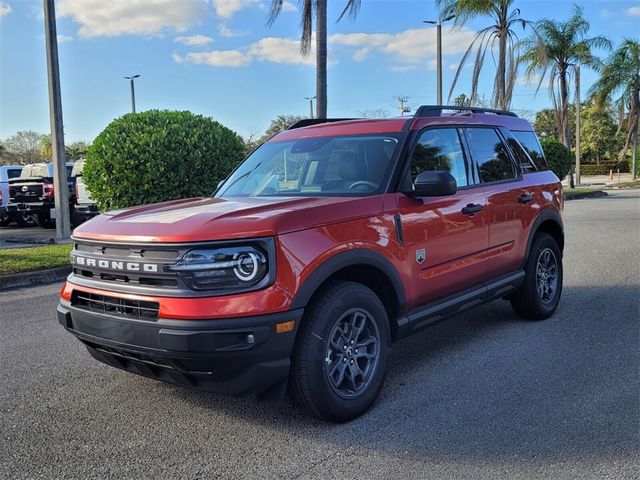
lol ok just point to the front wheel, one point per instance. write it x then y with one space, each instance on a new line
341 355
5 219
540 292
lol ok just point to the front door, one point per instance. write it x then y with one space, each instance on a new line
445 238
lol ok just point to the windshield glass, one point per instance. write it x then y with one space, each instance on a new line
321 166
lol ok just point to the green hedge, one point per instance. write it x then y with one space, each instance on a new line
557 155
604 168
159 155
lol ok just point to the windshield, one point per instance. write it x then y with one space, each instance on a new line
321 166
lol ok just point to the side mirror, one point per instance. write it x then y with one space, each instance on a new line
433 183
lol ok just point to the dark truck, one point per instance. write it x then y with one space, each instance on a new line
32 193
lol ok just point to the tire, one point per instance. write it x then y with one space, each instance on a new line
6 219
532 302
25 220
316 357
45 221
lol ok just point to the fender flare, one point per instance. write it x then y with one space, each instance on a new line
548 214
349 258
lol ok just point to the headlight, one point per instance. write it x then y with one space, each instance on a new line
225 268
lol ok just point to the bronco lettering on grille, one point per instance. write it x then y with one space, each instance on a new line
114 264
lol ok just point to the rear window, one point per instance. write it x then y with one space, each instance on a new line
13 173
37 170
530 142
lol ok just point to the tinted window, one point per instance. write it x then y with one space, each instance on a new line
13 173
490 155
530 142
439 149
521 155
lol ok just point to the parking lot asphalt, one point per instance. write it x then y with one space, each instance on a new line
482 396
13 236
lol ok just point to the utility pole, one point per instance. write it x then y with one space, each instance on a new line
133 92
438 23
61 187
311 99
577 69
402 100
634 162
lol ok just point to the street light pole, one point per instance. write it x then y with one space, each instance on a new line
438 24
61 187
577 69
133 92
311 99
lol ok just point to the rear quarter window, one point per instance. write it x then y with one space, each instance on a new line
13 173
529 140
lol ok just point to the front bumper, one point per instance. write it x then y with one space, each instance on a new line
213 355
90 209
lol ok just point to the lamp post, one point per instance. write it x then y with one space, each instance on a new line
438 23
133 92
311 99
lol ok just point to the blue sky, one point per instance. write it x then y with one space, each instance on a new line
218 58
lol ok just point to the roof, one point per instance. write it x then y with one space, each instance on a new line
366 126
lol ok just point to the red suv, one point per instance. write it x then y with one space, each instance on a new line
327 244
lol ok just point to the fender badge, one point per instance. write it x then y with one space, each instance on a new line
420 255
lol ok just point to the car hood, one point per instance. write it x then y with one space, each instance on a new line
204 219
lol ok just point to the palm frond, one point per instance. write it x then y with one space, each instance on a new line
352 8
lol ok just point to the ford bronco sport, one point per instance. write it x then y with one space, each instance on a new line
327 244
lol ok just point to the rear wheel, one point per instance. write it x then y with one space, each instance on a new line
25 220
341 355
45 220
5 219
540 292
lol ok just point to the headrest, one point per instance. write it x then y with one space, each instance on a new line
351 166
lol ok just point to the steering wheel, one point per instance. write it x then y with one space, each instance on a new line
363 182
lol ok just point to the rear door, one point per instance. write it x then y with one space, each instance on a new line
445 238
510 201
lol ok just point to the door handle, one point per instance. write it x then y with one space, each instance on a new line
472 208
525 198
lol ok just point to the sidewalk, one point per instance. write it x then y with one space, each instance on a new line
601 180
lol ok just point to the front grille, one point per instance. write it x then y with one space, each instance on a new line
122 307
142 281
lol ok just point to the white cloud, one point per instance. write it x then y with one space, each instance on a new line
281 50
4 9
228 8
64 38
216 58
633 11
132 17
193 40
226 32
411 46
288 7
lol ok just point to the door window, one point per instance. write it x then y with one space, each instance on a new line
490 155
439 149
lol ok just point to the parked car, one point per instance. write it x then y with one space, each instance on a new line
32 193
85 207
7 172
328 243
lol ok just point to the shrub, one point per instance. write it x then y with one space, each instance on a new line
156 155
558 156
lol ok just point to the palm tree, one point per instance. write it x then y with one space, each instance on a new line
46 149
621 75
504 19
564 48
316 9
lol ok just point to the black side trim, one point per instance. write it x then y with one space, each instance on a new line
347 259
547 214
425 316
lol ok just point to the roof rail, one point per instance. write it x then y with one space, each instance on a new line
307 122
436 110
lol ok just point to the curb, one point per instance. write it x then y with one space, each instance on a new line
38 277
595 194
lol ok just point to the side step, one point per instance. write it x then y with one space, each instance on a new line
423 317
